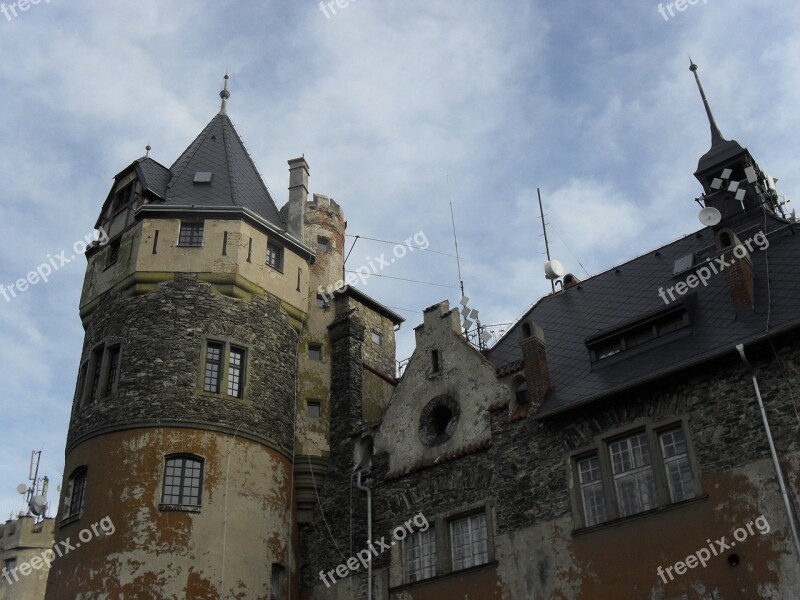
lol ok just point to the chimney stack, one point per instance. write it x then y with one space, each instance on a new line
298 196
739 272
534 357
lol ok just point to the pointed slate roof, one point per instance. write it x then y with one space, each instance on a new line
235 180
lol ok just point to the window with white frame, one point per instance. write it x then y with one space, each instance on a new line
468 540
634 479
224 369
191 234
275 256
649 467
419 555
183 477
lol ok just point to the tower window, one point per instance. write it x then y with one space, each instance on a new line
97 370
75 498
191 234
323 244
377 338
213 361
10 566
183 476
224 369
235 372
313 409
275 256
113 253
113 369
315 352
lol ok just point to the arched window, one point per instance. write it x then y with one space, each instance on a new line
75 498
183 480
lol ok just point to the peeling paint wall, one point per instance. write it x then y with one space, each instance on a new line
242 524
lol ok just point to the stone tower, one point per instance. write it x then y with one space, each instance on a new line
197 312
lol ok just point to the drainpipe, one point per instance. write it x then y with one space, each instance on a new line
364 488
786 500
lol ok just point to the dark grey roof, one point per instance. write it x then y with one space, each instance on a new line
153 176
718 154
610 299
369 301
236 180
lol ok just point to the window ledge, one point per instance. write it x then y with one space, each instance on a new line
642 515
179 508
190 246
274 268
407 586
220 396
70 519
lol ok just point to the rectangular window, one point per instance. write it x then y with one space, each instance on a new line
113 253
435 361
625 484
314 409
113 369
10 566
315 352
469 542
320 302
633 475
676 464
594 503
97 365
235 372
76 494
191 234
322 244
377 338
419 556
212 369
81 383
182 481
275 256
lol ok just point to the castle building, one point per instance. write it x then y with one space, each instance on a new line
634 435
199 420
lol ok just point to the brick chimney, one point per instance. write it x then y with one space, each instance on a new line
298 196
537 373
739 272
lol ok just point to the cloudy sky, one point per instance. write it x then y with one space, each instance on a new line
399 106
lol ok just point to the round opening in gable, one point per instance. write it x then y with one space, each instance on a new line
438 420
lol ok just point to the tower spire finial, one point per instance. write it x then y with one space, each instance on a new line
224 94
716 136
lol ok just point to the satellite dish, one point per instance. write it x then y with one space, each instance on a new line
22 488
710 216
38 505
553 269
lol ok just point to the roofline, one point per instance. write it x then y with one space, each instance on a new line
371 302
166 209
709 356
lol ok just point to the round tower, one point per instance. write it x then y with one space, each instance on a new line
178 470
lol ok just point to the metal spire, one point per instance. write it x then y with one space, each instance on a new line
224 94
147 149
716 136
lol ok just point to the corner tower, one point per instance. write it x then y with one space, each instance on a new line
182 429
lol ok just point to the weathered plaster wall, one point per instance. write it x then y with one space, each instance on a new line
23 540
243 523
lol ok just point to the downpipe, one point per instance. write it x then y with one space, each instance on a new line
786 500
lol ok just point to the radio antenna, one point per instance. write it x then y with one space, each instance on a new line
455 236
544 229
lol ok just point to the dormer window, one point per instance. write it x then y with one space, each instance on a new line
122 199
641 334
203 177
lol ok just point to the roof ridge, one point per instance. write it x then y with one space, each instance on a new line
226 151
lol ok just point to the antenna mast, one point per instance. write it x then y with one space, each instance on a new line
544 229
